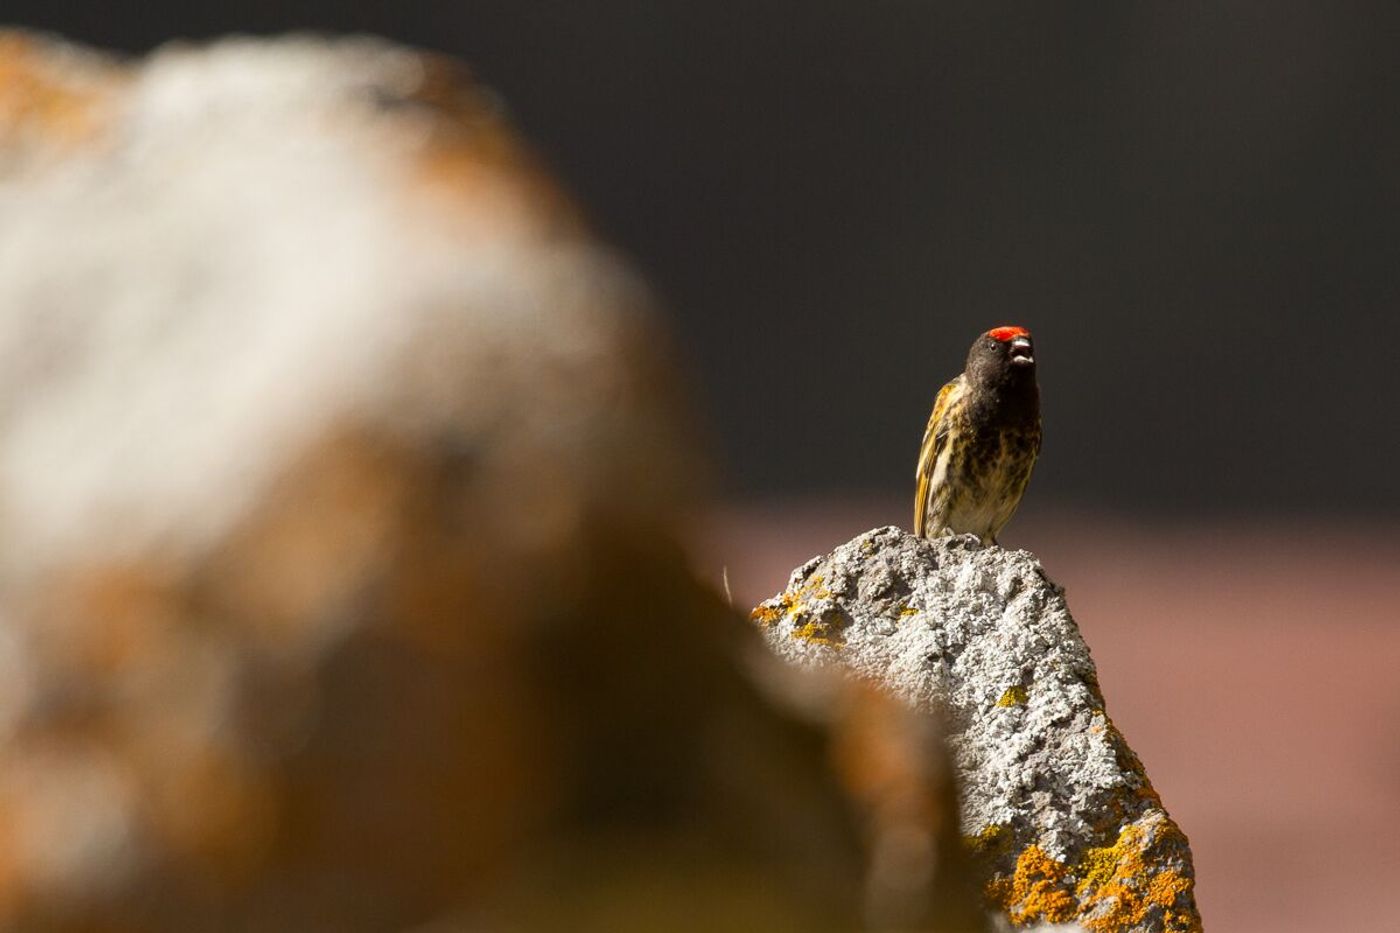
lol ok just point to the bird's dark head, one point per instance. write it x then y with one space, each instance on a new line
1002 354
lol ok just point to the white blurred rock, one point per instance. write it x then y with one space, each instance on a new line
253 241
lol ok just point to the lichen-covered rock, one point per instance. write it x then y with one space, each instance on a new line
340 481
1055 805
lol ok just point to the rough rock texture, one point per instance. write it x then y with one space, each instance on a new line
339 481
1054 803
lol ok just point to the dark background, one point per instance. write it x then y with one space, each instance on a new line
1195 206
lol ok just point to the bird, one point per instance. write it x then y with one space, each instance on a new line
981 442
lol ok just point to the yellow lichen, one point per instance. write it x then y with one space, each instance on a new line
994 837
1100 864
815 589
820 631
1014 696
907 611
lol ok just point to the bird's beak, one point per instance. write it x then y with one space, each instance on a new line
1021 351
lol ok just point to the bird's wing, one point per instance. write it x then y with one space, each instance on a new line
935 436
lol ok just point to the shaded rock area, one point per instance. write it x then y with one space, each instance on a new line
340 480
1056 808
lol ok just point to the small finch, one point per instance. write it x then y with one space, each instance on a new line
981 441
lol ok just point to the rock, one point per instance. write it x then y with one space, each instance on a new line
893 760
1055 805
341 476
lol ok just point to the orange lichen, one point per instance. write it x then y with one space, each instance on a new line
1039 889
790 603
1119 889
1114 887
1166 887
770 612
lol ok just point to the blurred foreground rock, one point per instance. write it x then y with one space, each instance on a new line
340 472
1055 805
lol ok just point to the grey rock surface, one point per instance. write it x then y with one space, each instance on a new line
1054 803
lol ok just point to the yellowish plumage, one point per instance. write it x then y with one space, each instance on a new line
935 445
979 447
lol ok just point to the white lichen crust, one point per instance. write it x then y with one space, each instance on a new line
1054 802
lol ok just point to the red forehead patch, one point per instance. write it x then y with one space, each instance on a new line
1007 333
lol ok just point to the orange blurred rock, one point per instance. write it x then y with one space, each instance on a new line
893 762
340 475
53 97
